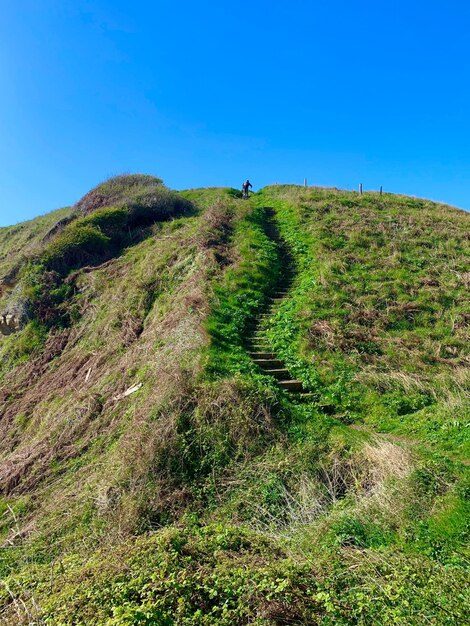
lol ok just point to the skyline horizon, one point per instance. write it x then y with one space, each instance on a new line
40 213
207 94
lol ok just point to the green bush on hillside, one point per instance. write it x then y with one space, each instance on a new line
154 204
112 221
78 245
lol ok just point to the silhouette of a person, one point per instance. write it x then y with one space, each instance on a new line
246 187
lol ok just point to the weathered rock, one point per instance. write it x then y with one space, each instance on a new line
9 323
16 315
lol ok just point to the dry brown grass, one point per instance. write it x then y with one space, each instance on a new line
372 481
60 409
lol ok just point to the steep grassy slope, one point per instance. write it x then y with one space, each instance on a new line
26 236
151 474
380 314
22 240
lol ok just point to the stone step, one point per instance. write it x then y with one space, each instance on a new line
329 409
291 385
262 355
268 363
280 374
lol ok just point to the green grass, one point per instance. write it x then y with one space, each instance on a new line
207 496
377 326
25 238
241 295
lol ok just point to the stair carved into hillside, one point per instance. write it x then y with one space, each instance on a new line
259 347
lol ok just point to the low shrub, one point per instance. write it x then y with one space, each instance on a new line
79 244
154 204
112 221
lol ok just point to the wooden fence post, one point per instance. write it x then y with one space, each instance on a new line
360 188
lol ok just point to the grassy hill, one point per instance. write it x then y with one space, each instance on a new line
152 474
21 240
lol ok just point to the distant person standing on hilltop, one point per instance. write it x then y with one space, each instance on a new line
245 188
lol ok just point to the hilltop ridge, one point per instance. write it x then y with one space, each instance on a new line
152 473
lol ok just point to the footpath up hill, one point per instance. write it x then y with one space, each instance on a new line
153 467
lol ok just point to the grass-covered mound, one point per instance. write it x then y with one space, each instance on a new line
378 322
114 215
118 190
108 217
150 474
144 197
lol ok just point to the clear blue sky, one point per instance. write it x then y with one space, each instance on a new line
208 93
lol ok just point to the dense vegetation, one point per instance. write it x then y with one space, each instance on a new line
151 475
94 232
379 321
